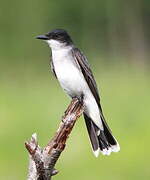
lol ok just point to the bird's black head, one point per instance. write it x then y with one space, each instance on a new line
57 34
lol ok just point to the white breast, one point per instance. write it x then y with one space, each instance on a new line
69 75
73 82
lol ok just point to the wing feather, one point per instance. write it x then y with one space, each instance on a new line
88 75
52 68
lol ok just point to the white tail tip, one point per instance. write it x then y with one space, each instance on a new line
96 153
111 149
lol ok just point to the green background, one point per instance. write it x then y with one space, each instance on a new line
114 35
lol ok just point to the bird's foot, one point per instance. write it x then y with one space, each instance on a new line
80 98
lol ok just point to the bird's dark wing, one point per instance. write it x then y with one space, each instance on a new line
88 75
92 128
52 67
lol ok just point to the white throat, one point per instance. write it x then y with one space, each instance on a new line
56 45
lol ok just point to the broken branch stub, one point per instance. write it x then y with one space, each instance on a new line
42 161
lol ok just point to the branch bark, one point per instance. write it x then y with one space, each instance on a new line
43 160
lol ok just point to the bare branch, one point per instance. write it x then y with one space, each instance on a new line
42 161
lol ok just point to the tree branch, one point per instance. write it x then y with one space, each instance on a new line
42 161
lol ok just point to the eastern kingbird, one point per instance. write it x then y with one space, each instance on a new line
73 72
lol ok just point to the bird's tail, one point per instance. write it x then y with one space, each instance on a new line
101 140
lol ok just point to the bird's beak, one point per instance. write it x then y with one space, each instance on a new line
43 37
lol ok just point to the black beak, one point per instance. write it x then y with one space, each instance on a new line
43 37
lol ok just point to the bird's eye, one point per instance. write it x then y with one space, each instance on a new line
55 36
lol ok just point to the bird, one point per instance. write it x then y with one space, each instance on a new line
71 68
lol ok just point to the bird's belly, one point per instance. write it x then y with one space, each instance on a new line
70 77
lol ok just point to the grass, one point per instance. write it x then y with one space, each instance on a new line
32 101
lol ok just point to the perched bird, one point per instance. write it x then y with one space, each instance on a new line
73 72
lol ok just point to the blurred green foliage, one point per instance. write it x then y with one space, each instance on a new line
115 37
